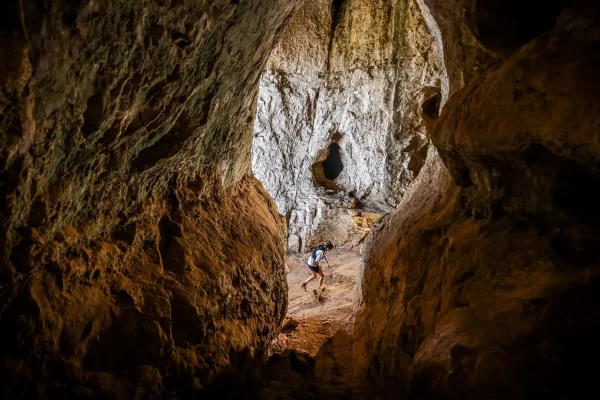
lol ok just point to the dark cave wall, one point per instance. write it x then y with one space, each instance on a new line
138 257
483 284
134 239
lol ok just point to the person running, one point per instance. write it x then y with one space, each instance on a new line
313 263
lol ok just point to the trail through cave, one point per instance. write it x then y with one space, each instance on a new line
319 326
321 312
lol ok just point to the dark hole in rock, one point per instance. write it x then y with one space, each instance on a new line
332 166
10 19
37 213
336 13
462 355
246 308
577 192
174 75
20 255
506 25
59 370
93 115
326 171
170 249
431 106
463 277
243 365
205 107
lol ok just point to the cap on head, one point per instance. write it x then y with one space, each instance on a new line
329 245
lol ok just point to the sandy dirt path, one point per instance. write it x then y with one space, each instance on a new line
320 312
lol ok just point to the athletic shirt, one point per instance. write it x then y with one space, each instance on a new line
318 256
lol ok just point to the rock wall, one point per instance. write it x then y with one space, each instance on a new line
140 259
346 84
484 282
137 254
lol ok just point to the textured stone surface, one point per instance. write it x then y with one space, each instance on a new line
355 74
137 254
139 258
488 272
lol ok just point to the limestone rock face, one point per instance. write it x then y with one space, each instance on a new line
339 114
484 282
137 254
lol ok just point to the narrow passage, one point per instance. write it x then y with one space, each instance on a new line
316 337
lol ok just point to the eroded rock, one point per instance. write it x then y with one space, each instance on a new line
484 257
140 260
138 257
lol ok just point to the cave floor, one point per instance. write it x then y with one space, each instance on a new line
318 329
319 325
320 313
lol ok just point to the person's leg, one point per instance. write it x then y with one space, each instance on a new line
322 278
314 276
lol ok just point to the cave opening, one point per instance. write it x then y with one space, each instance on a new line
152 264
333 166
321 149
431 106
328 168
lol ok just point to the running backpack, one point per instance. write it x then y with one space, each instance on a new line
314 252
